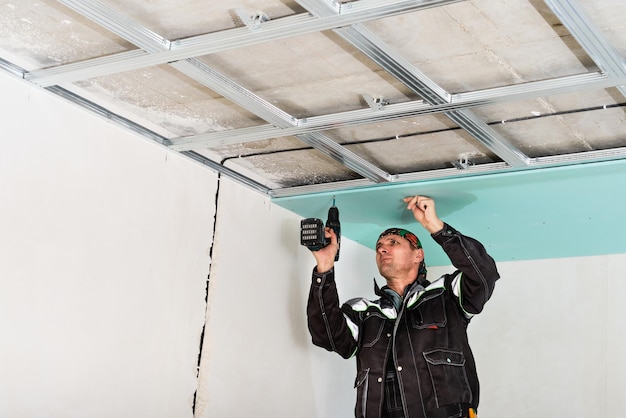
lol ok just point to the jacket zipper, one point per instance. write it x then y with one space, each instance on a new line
395 356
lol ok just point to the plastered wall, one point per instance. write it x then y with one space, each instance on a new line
549 342
104 255
257 358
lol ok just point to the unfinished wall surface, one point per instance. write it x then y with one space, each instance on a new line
104 255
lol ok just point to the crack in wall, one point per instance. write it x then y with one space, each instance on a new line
206 296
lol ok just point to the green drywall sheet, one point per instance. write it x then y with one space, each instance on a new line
569 211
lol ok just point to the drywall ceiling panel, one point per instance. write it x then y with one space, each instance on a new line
525 215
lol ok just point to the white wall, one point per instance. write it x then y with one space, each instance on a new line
257 358
551 341
103 262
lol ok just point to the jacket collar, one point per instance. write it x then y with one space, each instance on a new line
380 292
387 294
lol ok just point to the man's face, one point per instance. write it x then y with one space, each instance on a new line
395 256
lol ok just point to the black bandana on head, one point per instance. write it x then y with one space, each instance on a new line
415 243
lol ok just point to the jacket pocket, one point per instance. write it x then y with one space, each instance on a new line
429 314
372 329
361 385
448 377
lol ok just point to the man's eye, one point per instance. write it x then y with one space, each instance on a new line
393 241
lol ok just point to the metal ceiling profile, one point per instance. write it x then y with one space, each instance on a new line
349 145
589 37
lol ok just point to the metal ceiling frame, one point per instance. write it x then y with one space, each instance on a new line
578 23
450 173
345 19
392 62
277 117
196 70
300 24
514 92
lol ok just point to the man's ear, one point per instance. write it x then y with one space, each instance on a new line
419 255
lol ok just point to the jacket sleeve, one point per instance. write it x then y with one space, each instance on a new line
327 324
478 270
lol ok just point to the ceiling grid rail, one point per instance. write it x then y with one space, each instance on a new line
149 41
211 43
393 63
449 173
146 133
142 37
580 25
120 24
396 65
275 116
394 111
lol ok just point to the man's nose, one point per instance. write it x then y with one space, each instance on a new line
382 249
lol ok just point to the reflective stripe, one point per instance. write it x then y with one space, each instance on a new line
456 286
456 290
362 305
414 297
354 328
437 284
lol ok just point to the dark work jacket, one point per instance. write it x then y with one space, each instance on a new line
425 339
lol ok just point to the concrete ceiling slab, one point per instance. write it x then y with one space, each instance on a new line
39 34
308 75
177 19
